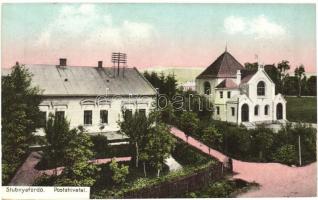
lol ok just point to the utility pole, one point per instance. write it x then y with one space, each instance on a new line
119 58
299 150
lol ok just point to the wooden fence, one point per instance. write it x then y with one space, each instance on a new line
182 185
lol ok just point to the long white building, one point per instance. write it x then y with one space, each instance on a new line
91 96
239 95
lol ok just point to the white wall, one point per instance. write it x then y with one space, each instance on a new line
74 110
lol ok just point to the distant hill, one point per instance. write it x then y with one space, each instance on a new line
183 74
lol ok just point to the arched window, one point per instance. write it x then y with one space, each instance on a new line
279 111
266 109
256 108
207 88
261 88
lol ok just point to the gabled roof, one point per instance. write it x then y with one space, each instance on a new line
246 75
227 84
87 81
225 66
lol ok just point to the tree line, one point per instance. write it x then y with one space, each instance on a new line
286 84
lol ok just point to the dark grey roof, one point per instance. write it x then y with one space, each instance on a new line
246 75
225 66
87 81
227 84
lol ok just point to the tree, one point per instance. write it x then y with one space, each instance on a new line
283 68
300 74
57 135
100 146
251 66
312 85
275 76
159 146
166 84
171 85
290 83
188 122
119 173
20 118
78 170
212 136
136 128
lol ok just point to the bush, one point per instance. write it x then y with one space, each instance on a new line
260 144
188 122
119 173
286 154
187 155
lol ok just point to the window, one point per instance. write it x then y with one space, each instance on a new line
233 111
88 117
256 110
128 114
207 88
142 111
217 110
221 94
43 119
59 115
266 110
261 88
103 116
228 94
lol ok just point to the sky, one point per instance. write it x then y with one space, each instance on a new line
158 35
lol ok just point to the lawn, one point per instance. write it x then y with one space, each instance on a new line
302 109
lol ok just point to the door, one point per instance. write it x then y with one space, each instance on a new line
279 111
244 113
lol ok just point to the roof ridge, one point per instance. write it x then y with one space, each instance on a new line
144 78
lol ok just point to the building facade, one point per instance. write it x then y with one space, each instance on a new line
240 95
92 97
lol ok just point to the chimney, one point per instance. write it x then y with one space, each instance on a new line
62 61
100 64
238 77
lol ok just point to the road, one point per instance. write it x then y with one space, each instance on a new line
275 180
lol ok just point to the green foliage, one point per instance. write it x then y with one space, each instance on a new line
220 189
78 171
188 155
262 142
119 172
188 122
19 118
212 136
160 144
136 127
312 86
199 104
149 137
100 146
140 183
166 84
286 154
300 75
57 137
251 66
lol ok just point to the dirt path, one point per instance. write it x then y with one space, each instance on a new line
275 180
27 174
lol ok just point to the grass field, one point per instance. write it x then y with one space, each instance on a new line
302 109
